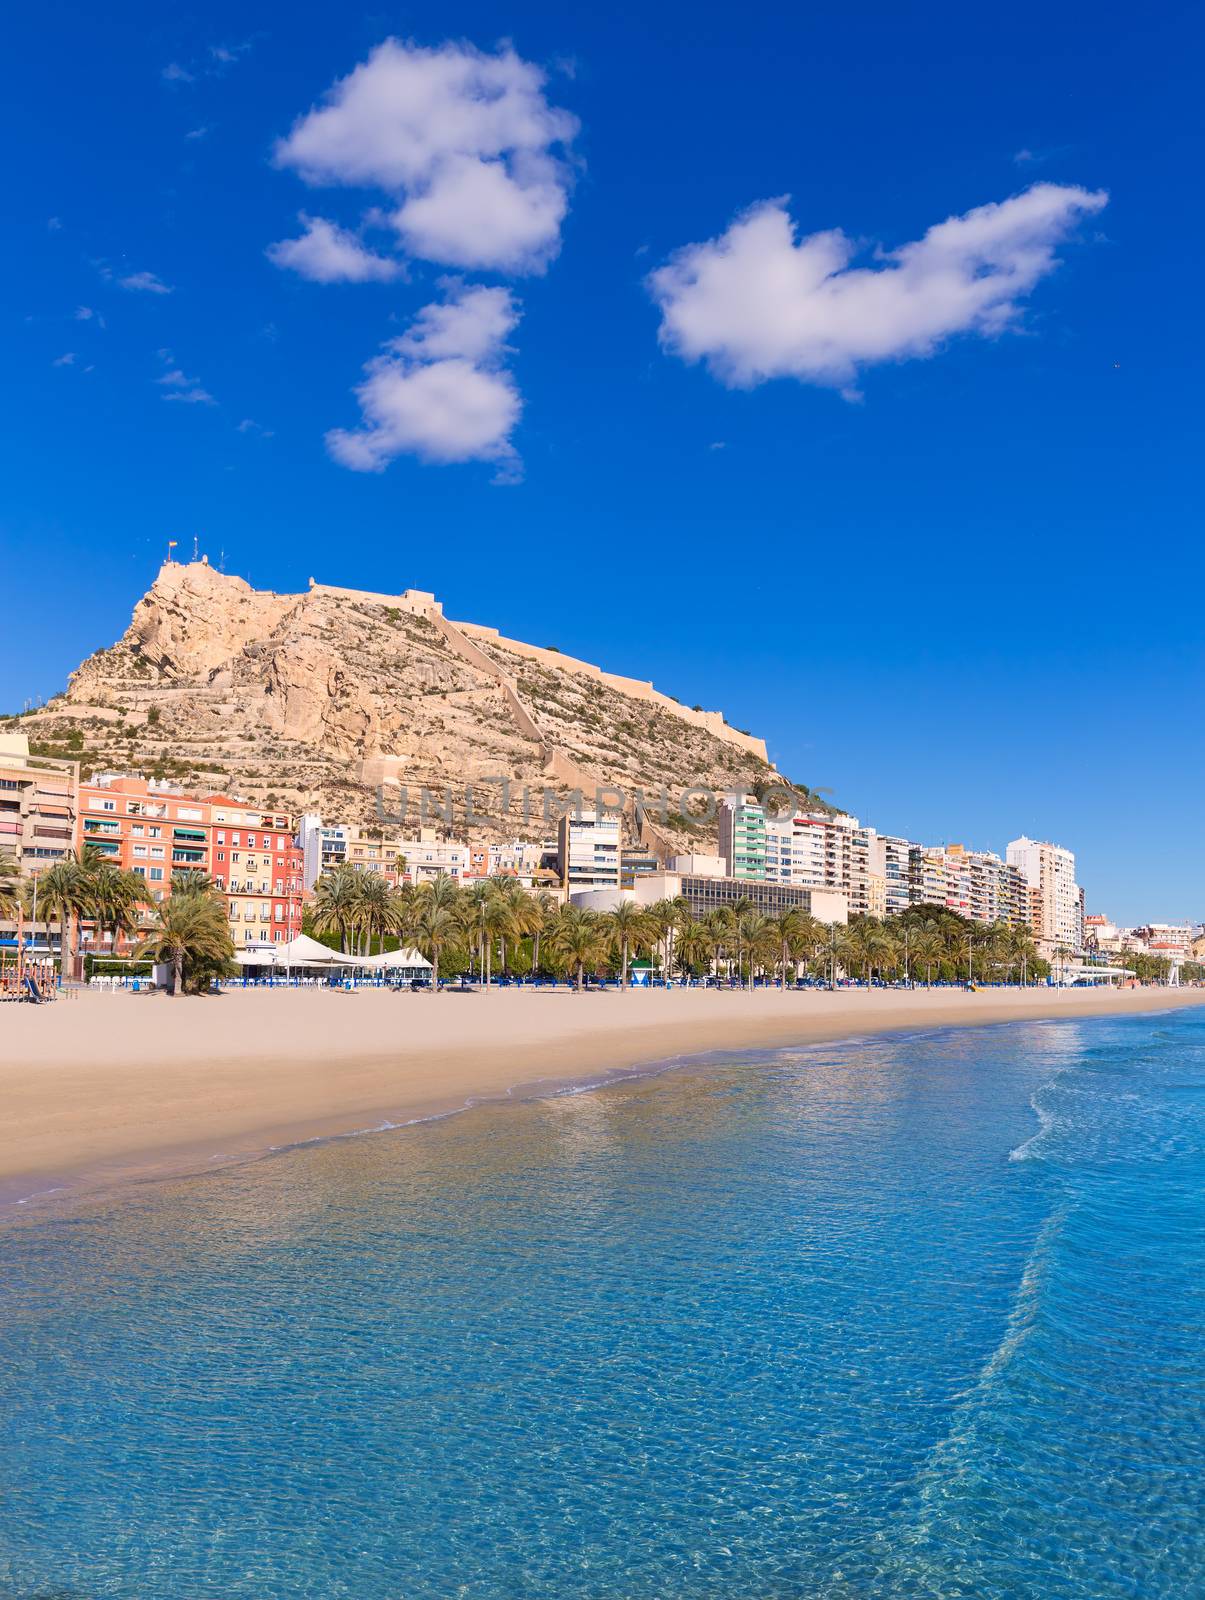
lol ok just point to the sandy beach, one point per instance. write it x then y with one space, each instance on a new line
104 1085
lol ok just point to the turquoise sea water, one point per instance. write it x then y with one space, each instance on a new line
916 1316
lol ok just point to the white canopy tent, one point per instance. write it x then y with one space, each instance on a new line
299 952
406 960
304 953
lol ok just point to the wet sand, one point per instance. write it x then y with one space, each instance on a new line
107 1085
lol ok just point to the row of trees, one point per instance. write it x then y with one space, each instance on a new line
496 926
187 929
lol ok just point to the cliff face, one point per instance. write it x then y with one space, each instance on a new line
313 699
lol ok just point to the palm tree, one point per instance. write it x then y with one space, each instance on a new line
695 946
1063 954
847 950
800 936
544 907
192 880
336 902
758 936
379 911
434 927
579 937
474 905
878 948
630 930
927 948
10 886
190 932
738 911
443 889
117 898
65 895
718 925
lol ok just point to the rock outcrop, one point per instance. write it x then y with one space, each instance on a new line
309 699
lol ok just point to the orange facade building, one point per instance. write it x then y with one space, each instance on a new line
153 830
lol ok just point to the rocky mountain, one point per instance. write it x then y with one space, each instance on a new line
313 700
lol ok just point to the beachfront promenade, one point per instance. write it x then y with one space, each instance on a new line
116 1082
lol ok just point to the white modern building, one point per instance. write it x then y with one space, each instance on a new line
806 849
1056 904
588 854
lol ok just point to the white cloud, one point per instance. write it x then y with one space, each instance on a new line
175 73
249 425
756 303
177 386
84 313
66 360
147 282
54 224
193 395
328 254
440 391
197 133
464 141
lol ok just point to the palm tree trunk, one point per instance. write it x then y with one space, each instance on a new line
625 964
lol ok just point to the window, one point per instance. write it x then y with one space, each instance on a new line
157 852
156 874
141 871
155 833
222 837
137 831
140 849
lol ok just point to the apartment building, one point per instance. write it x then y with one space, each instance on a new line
1172 941
258 865
821 850
983 888
587 851
153 829
38 801
398 857
896 861
1056 913
742 823
514 858
323 847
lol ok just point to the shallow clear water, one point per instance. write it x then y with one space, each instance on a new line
914 1316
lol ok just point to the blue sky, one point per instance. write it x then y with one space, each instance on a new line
934 529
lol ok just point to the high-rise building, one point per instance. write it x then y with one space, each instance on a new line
588 851
1056 904
818 850
983 888
743 837
896 861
